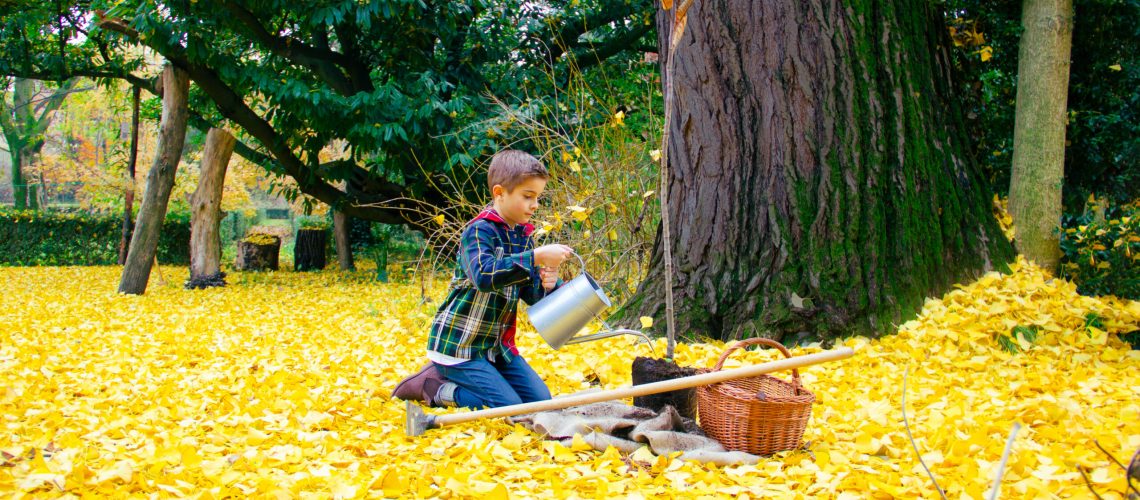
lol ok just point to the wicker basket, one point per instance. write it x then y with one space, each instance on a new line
734 413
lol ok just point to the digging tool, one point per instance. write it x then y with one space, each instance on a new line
416 422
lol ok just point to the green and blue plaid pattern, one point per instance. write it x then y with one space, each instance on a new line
495 268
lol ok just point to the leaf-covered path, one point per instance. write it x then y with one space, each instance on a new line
278 386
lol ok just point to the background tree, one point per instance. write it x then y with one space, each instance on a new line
393 79
24 121
160 181
1102 143
205 206
1039 129
86 147
132 163
822 172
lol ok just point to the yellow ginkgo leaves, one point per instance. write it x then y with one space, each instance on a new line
278 385
985 53
579 212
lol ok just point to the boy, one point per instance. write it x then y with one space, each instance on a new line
474 361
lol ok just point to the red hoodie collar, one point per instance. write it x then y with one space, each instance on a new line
492 215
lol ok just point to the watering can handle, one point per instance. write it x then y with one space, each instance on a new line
581 262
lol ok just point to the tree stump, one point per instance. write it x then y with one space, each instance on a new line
309 250
258 253
649 370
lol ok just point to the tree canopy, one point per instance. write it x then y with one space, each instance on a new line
360 103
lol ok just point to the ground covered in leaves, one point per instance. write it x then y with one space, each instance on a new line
278 385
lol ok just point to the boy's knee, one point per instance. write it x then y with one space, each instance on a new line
488 399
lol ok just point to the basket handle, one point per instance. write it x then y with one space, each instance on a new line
759 341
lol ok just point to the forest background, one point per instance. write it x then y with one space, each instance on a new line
396 138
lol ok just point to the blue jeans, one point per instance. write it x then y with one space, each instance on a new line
483 384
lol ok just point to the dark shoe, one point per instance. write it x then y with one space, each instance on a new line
412 388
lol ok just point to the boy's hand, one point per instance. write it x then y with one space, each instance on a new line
551 255
549 278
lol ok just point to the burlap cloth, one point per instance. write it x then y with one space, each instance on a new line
628 428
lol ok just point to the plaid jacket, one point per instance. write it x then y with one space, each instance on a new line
495 269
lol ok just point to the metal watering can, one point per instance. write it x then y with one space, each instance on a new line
559 316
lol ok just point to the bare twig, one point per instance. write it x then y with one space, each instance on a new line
913 444
1127 470
1004 458
1088 483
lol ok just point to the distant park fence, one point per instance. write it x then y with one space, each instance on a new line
79 238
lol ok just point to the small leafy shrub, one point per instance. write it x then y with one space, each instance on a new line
235 224
80 238
1102 254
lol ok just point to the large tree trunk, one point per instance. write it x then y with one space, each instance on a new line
206 204
159 182
819 173
129 196
1039 128
343 242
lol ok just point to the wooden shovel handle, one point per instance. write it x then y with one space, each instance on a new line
644 389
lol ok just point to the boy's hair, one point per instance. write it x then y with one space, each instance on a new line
511 167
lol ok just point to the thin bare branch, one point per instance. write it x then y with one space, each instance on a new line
1088 483
910 436
1004 459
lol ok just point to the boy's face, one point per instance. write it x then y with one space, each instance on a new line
518 205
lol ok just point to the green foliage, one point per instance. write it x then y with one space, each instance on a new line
235 224
67 238
1133 338
598 137
1017 335
360 233
601 147
389 81
313 222
1103 154
1102 256
402 243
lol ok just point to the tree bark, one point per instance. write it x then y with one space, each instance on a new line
19 190
819 171
1039 129
309 250
343 242
205 204
159 182
129 195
